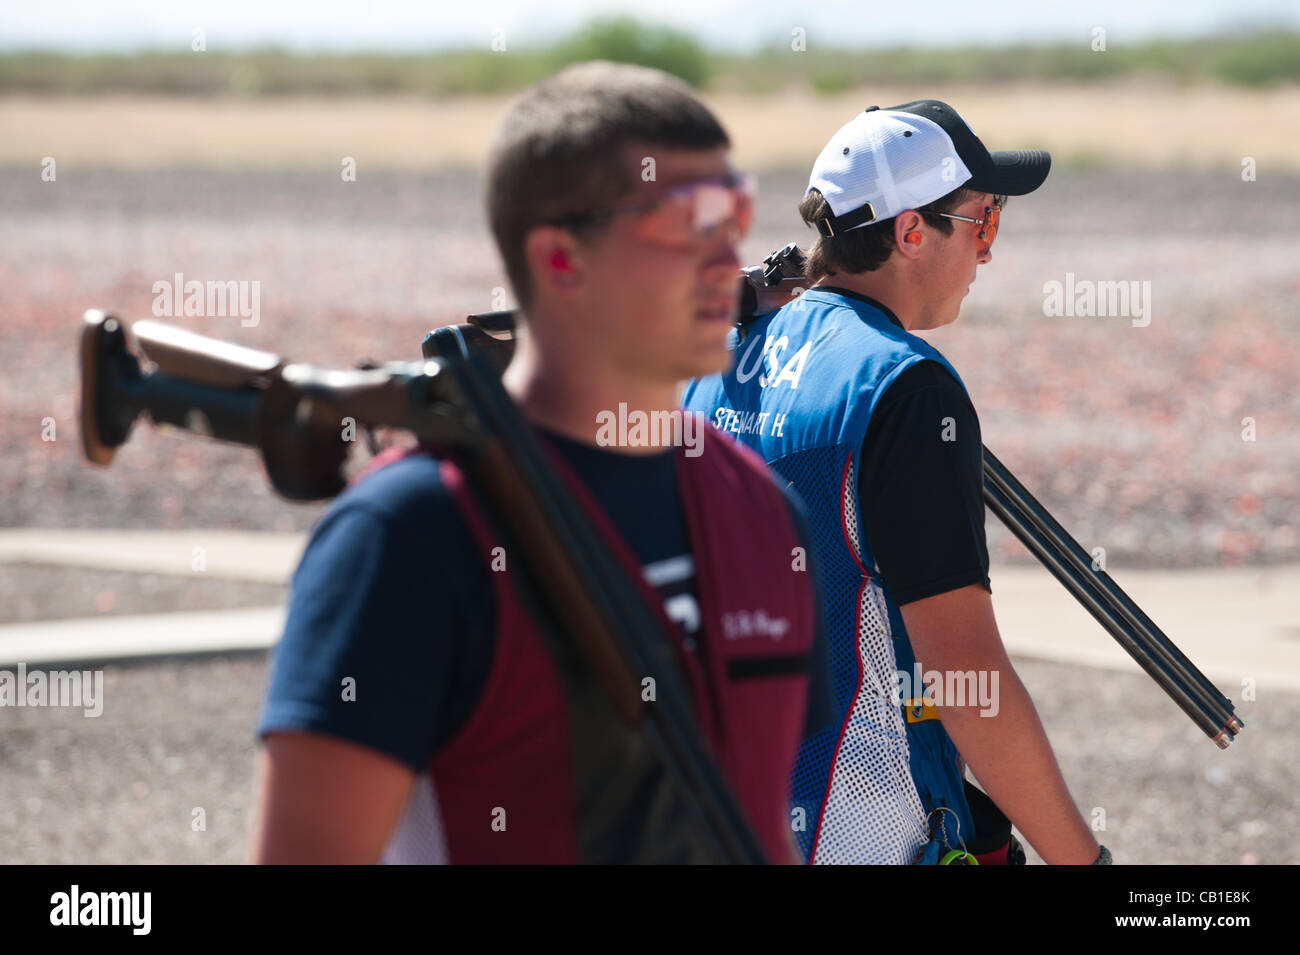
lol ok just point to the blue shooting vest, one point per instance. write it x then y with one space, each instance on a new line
801 391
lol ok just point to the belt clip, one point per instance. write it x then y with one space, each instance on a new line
952 856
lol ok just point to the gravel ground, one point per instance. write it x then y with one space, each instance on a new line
1132 435
177 735
31 592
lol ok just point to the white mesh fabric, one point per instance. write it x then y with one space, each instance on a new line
418 838
872 814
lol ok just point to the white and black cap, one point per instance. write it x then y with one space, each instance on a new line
885 161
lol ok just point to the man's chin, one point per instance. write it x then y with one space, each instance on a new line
715 357
952 316
701 364
705 369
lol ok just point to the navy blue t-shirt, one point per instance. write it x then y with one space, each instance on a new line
394 594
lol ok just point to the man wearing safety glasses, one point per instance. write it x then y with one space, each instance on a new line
874 429
616 213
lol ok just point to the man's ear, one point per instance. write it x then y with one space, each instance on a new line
554 259
909 236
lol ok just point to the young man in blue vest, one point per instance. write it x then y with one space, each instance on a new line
414 712
875 430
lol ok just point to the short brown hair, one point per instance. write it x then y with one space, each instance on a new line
560 149
866 249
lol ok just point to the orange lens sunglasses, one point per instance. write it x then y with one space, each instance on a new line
988 225
689 214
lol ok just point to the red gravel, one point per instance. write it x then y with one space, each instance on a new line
1133 436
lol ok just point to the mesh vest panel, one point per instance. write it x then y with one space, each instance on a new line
859 767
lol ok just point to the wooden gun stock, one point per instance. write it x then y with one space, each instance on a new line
296 415
207 361
292 413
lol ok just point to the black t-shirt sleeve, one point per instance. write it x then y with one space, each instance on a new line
921 485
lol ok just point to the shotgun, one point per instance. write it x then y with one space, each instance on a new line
597 625
1027 519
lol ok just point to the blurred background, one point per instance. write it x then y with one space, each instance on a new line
214 140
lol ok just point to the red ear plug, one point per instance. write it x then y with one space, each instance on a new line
560 261
913 237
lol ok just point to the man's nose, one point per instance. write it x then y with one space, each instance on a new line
985 255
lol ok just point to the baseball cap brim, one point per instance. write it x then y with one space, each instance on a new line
1005 172
1014 172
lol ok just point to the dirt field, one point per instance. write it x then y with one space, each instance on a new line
1132 435
1147 124
178 736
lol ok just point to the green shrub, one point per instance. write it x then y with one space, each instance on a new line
625 40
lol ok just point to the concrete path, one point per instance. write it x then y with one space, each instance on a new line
147 635
1234 624
231 555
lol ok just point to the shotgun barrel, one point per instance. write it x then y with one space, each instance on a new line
1063 557
608 600
1115 610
